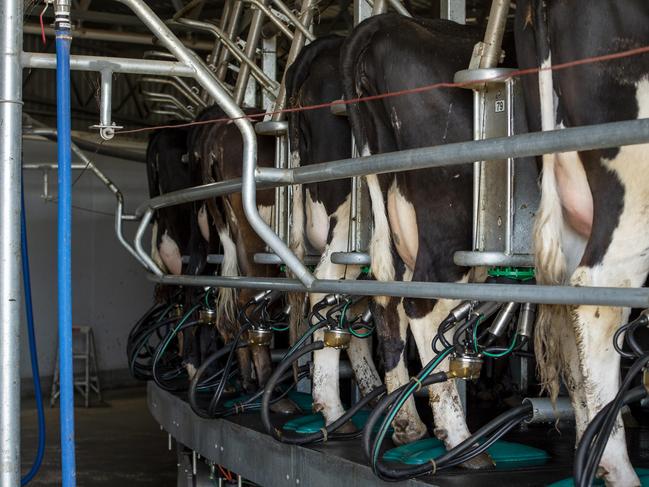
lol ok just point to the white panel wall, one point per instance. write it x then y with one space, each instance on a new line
110 290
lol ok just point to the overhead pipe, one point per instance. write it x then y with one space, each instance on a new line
116 36
257 73
39 60
11 36
179 85
155 96
64 240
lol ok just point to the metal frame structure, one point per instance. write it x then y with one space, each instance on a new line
190 65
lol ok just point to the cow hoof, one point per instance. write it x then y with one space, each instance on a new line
284 406
480 462
346 428
407 431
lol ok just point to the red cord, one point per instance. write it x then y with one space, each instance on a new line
42 24
227 475
420 89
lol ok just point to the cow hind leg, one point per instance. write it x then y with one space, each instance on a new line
392 324
450 424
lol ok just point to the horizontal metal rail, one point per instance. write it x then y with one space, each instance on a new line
115 64
525 145
571 139
606 296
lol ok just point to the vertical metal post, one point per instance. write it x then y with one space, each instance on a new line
11 42
299 39
493 37
269 66
64 244
250 51
231 32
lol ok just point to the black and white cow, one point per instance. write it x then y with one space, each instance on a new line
166 172
321 211
591 228
421 218
176 228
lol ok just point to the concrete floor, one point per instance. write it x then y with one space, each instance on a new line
118 444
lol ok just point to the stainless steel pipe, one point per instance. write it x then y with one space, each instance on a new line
11 45
606 296
525 145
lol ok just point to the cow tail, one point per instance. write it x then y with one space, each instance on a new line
297 324
551 261
226 297
351 55
353 79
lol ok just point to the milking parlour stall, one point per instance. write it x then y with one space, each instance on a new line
324 242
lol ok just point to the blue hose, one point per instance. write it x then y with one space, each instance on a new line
64 251
33 353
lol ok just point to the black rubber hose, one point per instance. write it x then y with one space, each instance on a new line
596 450
382 406
586 457
148 315
463 452
135 353
251 403
216 398
296 438
595 438
158 356
193 385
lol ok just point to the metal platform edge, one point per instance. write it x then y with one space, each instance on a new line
254 455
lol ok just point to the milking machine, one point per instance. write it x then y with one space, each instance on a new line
338 332
466 351
257 323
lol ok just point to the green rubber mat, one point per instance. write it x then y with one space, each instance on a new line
504 453
313 423
643 473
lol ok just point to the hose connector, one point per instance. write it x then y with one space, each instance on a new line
337 338
502 320
62 15
462 310
260 337
464 367
207 316
526 319
177 311
486 309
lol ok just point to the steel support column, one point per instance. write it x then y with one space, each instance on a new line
11 40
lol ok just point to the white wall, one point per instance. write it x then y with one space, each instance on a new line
110 290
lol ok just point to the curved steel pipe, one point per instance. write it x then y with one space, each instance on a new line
206 78
179 85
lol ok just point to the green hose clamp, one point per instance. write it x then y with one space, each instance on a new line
515 273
